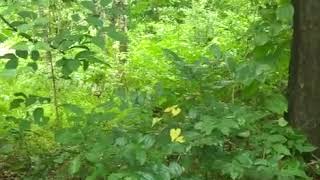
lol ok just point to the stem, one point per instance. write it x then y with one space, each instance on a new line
49 59
54 88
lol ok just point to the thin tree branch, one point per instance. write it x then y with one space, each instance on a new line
24 35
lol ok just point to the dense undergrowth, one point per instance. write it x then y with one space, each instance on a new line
201 95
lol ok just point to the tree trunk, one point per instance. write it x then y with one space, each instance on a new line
120 22
304 72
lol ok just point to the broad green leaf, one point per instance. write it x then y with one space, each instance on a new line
281 149
276 103
175 169
35 55
30 100
84 55
261 39
105 2
72 64
75 165
117 36
22 54
76 17
73 108
116 176
23 28
215 49
7 149
38 115
42 46
89 5
42 21
22 45
3 37
99 41
16 103
24 125
141 156
94 21
171 55
282 122
20 94
12 64
28 14
244 134
305 148
285 12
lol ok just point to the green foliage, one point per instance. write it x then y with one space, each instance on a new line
202 95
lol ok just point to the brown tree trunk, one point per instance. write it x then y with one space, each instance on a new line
304 72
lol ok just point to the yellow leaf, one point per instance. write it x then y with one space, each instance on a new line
180 139
176 136
176 111
174 133
155 121
168 109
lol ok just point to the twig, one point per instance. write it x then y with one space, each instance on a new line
24 35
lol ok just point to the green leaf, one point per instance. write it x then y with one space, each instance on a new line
281 149
33 65
117 36
30 100
171 55
27 14
261 39
23 28
285 12
22 45
276 103
22 54
105 2
3 37
35 55
41 21
72 64
76 17
74 109
305 148
75 165
215 49
141 156
42 46
99 41
24 125
89 5
175 169
282 122
7 149
94 21
38 115
12 64
116 176
276 138
20 94
84 55
244 134
16 103
93 157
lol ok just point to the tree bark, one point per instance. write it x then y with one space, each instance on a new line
304 71
120 22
